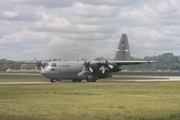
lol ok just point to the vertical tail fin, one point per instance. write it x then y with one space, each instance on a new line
123 52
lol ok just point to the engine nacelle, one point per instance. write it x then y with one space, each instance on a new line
82 75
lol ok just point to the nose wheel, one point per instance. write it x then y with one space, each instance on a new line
52 80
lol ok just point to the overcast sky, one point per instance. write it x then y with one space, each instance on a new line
75 29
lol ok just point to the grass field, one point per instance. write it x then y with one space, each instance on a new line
89 101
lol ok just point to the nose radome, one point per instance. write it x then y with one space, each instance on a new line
43 72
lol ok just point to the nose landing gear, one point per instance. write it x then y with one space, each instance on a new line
52 80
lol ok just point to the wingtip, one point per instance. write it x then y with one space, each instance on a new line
152 62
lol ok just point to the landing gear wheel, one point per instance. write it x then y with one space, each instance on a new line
52 80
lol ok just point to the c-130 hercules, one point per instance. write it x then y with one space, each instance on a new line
91 70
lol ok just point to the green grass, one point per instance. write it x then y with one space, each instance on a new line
94 101
103 100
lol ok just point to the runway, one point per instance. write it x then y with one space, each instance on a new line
176 78
13 83
124 81
19 73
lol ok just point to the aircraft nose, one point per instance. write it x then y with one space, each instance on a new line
44 72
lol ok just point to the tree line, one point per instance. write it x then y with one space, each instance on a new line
166 62
14 65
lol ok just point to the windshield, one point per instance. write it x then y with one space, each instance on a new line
51 65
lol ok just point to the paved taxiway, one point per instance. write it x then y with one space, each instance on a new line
154 78
12 83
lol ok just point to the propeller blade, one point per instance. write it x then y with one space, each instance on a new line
41 68
35 59
90 69
90 60
103 69
84 68
110 66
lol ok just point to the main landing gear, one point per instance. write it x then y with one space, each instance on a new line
74 80
79 80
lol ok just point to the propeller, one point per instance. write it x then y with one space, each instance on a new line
105 65
38 64
87 65
103 69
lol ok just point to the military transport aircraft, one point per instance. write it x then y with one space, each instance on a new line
90 70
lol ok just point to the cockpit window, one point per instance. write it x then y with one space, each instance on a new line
53 65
